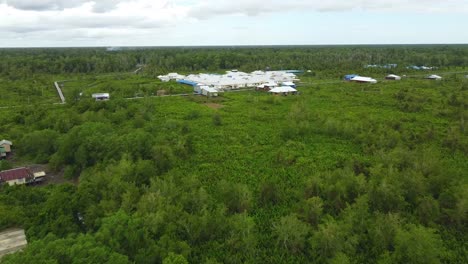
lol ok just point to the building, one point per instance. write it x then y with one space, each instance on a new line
434 77
11 241
290 84
360 79
235 80
284 90
393 77
17 176
209 92
101 96
349 77
6 145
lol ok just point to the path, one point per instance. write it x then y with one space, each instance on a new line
59 91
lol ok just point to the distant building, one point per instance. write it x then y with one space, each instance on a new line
101 96
209 92
17 176
290 84
434 77
393 77
360 79
350 76
284 90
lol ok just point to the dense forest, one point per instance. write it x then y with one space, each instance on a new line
341 173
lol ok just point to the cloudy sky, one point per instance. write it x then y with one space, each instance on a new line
54 23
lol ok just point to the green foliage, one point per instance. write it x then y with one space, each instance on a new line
342 173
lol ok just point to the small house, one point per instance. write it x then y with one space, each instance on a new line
434 77
6 144
17 176
360 79
101 96
393 77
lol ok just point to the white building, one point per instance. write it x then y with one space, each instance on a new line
101 96
393 77
434 77
285 90
361 79
233 80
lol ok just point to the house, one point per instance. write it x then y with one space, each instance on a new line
360 79
6 145
393 77
17 176
101 96
434 77
284 90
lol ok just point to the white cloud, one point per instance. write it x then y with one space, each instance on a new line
99 19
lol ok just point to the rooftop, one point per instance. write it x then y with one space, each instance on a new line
15 174
12 241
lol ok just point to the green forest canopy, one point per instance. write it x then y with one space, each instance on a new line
342 173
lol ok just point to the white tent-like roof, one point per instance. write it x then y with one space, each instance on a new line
209 89
393 76
288 84
434 77
283 89
363 79
6 142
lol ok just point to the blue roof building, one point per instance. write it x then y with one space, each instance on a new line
350 76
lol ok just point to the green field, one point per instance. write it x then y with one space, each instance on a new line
341 173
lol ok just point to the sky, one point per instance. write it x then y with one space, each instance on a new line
76 23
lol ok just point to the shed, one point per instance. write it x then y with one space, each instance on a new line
101 96
17 176
361 79
434 77
7 145
393 77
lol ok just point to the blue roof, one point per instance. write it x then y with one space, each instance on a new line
294 71
187 82
350 76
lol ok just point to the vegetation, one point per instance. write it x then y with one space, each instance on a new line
342 173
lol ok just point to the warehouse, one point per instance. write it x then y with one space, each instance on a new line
393 77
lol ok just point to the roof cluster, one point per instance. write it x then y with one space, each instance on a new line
233 79
414 67
386 66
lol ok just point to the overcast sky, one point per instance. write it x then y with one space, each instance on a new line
53 23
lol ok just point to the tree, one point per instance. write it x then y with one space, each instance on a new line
291 233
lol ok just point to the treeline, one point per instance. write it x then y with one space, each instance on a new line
21 63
